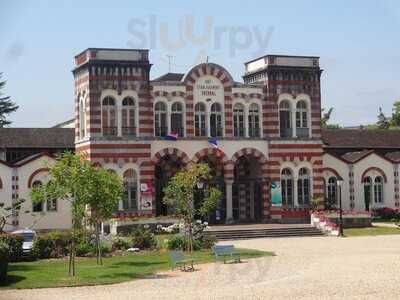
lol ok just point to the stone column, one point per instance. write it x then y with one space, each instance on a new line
119 120
293 114
295 196
229 206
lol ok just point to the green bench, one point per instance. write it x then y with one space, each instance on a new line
179 259
226 252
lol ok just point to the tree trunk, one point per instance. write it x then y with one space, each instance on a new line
98 245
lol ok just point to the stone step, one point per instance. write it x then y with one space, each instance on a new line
262 232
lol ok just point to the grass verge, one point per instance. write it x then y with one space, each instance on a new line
54 273
371 231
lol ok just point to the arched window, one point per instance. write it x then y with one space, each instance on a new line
238 120
109 117
254 121
301 119
331 193
285 123
200 119
367 182
160 119
216 120
37 207
177 118
130 198
51 204
378 190
303 187
287 187
82 119
128 117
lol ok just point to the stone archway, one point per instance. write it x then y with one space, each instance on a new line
250 189
167 162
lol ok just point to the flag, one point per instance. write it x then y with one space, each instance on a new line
214 144
171 136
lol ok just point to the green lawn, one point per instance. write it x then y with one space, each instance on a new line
371 231
53 273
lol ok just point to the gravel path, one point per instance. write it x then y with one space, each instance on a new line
304 268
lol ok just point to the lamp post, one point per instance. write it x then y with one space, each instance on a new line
339 183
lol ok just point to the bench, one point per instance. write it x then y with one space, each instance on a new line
227 252
179 259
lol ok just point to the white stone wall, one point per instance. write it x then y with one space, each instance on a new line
342 169
386 166
60 219
6 187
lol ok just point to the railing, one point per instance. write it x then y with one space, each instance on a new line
160 131
216 131
254 132
238 131
200 131
302 132
110 131
129 131
286 132
179 131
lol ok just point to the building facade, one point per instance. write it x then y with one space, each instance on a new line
272 158
267 126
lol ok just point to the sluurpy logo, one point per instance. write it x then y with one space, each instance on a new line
162 35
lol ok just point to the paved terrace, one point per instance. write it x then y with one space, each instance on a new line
304 268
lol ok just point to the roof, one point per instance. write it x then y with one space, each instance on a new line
393 156
170 77
353 157
37 137
66 124
361 138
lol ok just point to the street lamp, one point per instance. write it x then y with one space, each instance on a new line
339 183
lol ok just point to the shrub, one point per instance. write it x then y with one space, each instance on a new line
177 243
43 246
61 242
121 243
143 238
4 259
14 243
84 249
386 213
106 248
208 241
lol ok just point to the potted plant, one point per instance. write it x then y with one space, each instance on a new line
4 259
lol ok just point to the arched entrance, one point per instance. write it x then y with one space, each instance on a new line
216 161
247 191
217 173
167 163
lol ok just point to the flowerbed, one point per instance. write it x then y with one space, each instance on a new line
327 221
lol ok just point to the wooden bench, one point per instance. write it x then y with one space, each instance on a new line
227 252
179 259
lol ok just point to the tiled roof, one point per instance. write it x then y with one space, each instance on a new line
393 156
37 137
361 138
353 157
170 77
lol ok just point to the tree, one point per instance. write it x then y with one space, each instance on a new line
70 179
395 121
105 192
7 212
6 106
383 122
180 194
325 119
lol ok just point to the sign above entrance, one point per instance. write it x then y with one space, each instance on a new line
208 88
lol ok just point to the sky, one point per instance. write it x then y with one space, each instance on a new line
357 41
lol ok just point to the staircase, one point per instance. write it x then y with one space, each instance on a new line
238 233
